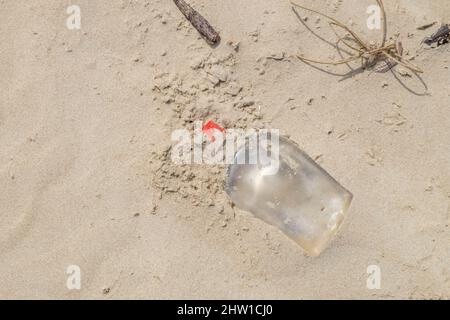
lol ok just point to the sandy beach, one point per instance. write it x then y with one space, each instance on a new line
86 117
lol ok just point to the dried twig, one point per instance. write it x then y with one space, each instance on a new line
370 55
197 20
389 64
426 26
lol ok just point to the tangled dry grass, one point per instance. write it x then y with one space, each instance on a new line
369 54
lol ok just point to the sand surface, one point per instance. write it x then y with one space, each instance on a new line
86 118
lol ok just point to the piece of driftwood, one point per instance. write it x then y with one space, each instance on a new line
199 23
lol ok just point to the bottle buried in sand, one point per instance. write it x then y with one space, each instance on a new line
292 193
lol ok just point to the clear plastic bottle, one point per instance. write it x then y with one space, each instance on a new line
298 197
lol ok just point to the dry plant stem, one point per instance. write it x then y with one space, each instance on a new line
390 63
198 21
369 55
336 22
384 30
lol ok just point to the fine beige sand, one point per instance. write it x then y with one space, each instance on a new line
86 118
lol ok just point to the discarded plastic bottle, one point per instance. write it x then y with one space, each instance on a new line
293 193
